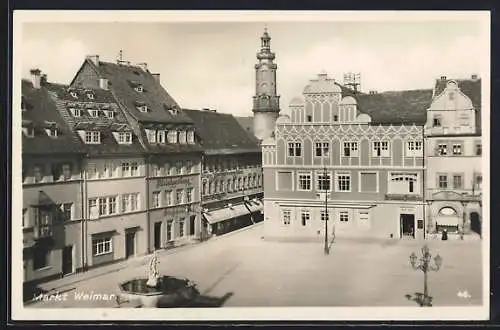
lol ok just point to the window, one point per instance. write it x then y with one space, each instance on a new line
344 216
134 169
457 181
182 137
324 215
479 149
160 136
457 149
335 118
92 137
173 170
66 171
37 173
168 198
125 169
67 213
322 149
112 205
287 217
56 170
151 135
323 182
103 206
305 216
403 183
29 130
41 257
304 181
143 108
172 136
107 170
102 246
109 114
134 202
124 137
190 136
90 96
436 121
76 112
125 203
169 230
179 196
182 224
228 185
52 132
74 95
294 149
442 181
344 182
309 118
93 212
380 149
156 199
93 113
139 89
442 149
189 194
350 149
479 181
414 148
155 170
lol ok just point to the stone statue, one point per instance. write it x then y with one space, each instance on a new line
153 274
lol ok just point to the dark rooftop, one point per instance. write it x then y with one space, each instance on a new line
221 132
40 109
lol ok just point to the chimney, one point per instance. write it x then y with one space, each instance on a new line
143 66
443 77
94 59
156 76
474 77
35 78
43 80
103 83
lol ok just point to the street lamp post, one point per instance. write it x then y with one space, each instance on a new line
424 264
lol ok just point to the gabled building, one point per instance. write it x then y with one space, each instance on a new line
52 185
353 159
454 156
172 156
231 182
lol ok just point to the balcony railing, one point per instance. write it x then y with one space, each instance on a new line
271 103
403 197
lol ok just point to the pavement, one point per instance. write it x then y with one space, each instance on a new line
241 269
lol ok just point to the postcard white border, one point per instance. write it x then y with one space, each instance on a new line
19 312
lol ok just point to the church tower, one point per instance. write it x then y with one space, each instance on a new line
266 105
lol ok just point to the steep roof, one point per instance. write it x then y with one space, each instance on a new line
396 107
102 100
122 81
40 110
221 133
246 123
470 87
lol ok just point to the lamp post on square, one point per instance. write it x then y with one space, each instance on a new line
424 264
324 186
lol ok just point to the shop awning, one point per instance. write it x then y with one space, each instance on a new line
225 213
448 221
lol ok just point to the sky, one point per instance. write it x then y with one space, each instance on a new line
211 64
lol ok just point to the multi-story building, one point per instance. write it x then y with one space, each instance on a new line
52 185
453 156
113 173
232 172
352 159
172 156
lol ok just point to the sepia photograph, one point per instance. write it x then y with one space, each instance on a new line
187 165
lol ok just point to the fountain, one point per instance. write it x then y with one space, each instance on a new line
157 290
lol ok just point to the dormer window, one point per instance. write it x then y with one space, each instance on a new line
51 131
29 131
93 113
75 112
92 137
436 121
142 108
74 95
124 137
139 89
109 114
173 111
90 96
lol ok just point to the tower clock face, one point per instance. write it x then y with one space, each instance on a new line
264 87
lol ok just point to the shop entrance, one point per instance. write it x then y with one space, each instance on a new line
407 225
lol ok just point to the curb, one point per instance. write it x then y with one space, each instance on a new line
143 259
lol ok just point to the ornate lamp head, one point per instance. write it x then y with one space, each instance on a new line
439 261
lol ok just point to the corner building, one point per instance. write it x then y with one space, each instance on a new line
363 151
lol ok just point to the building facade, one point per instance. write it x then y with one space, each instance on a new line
172 157
349 159
454 157
266 105
52 185
231 181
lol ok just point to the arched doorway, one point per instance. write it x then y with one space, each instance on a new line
448 219
475 223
